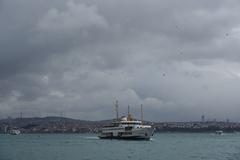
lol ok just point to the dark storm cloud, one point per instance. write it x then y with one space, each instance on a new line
178 58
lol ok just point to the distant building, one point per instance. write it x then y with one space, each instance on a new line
203 118
227 120
5 129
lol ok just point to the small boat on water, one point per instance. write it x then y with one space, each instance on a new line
220 132
127 128
14 132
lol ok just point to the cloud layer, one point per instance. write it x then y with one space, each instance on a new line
178 58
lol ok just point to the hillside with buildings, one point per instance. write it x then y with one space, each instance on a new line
68 125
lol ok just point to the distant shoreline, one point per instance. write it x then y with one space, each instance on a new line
68 125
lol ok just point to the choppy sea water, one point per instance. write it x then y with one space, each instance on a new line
164 146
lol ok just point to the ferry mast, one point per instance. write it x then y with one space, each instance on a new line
116 108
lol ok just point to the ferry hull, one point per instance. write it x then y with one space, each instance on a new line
136 134
125 138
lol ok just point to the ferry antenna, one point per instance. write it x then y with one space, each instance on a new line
142 113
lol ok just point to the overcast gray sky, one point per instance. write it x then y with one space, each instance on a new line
180 59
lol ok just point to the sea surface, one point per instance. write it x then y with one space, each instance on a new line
163 146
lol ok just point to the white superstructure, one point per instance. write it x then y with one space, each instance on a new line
127 128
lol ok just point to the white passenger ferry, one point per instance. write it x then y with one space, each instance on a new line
127 128
14 132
